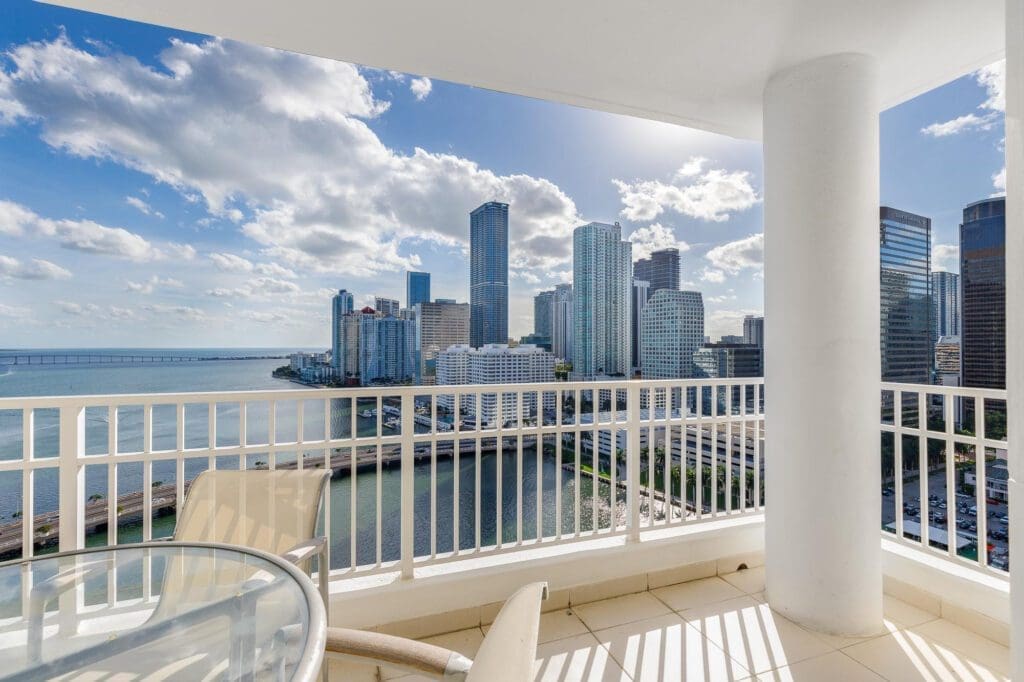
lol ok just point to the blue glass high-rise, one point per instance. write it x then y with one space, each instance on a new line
417 288
488 274
983 283
342 304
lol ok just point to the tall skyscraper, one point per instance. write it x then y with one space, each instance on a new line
386 350
945 304
386 306
341 305
438 326
417 288
602 276
753 330
672 329
983 282
542 314
561 322
906 306
661 270
488 274
639 294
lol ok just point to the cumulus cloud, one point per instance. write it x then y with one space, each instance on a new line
420 87
653 238
152 284
742 254
946 257
961 124
77 309
993 79
325 195
999 181
183 312
12 310
229 262
143 207
711 195
86 236
712 275
258 287
37 268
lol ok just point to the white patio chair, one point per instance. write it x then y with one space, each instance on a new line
507 653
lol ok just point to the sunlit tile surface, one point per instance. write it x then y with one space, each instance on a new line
720 629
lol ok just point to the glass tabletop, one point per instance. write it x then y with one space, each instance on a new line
159 610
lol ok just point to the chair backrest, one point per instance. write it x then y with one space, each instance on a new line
267 510
509 650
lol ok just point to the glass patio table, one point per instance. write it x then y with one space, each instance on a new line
159 610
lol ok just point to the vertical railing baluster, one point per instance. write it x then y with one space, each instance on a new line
380 503
243 438
211 433
757 445
981 483
897 420
698 491
633 461
742 424
408 486
947 422
72 478
922 479
476 484
559 395
272 435
28 447
300 433
353 499
519 467
456 474
432 516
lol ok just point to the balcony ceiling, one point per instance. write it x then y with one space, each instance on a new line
699 63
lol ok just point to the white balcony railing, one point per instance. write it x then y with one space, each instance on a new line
414 485
959 439
537 464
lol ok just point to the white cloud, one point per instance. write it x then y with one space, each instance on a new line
420 87
86 236
993 79
258 287
713 276
946 257
653 238
742 254
154 283
999 181
711 195
143 207
326 194
77 309
960 124
229 262
35 269
178 311
12 310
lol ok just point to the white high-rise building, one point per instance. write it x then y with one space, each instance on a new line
561 322
602 278
495 363
672 329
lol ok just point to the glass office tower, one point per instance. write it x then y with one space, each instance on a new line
983 283
488 274
417 288
601 281
660 270
906 305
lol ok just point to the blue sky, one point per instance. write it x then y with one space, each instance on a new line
159 188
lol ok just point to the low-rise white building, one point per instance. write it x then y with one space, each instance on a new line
495 363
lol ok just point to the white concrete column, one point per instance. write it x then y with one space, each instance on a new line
822 373
1015 319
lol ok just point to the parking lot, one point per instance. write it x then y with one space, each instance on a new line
938 515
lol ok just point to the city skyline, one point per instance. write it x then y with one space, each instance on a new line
197 245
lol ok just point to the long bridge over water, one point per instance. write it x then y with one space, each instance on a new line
117 359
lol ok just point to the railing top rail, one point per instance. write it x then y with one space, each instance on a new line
957 391
359 392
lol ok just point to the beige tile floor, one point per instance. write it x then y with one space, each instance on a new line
721 629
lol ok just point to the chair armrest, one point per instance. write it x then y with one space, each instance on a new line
44 592
397 652
305 550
